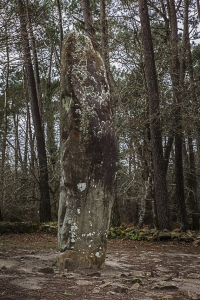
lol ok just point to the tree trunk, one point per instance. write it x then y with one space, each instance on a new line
89 25
60 23
160 184
104 34
16 154
29 131
104 45
35 63
168 148
45 208
198 8
177 76
25 156
5 131
88 156
192 185
3 152
194 99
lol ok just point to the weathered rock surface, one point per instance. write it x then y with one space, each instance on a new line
88 156
165 285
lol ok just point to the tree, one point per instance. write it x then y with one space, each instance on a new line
159 174
191 177
177 77
115 31
88 20
105 46
5 126
45 208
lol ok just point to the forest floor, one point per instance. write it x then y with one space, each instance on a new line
135 270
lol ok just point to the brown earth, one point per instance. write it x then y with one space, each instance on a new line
135 270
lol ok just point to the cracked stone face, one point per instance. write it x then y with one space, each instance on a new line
88 156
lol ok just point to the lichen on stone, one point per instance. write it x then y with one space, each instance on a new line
81 186
88 155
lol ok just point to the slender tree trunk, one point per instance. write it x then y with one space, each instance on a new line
177 76
198 8
192 184
104 33
56 54
168 149
3 153
191 175
5 131
60 24
104 44
33 160
193 95
29 130
25 156
160 184
35 63
147 201
51 145
16 156
89 25
50 120
45 208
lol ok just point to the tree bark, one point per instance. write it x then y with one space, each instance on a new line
160 183
177 76
88 156
60 24
29 129
5 131
168 148
192 184
35 63
3 153
45 208
88 20
198 8
194 99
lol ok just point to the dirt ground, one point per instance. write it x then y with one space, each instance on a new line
134 270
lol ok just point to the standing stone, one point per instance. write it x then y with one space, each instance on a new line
88 156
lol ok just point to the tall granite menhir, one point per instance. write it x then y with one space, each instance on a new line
88 156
